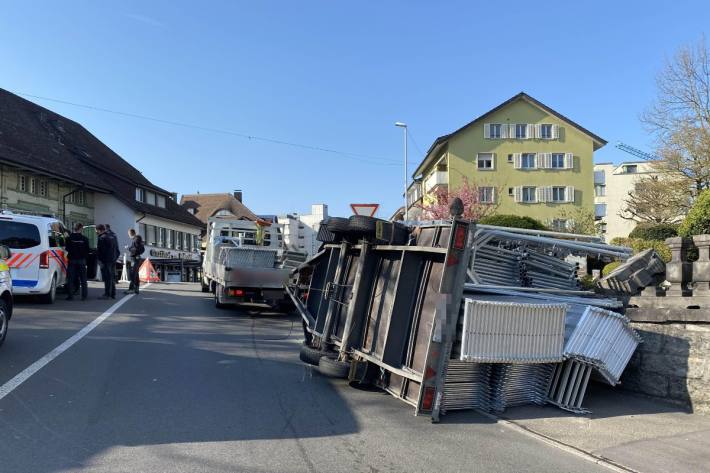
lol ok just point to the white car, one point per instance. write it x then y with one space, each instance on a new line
5 292
38 263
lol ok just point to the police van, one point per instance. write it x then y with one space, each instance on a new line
38 262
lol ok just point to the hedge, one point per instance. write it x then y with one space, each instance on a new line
610 267
638 245
514 221
698 220
654 231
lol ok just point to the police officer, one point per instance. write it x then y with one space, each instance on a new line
107 253
77 246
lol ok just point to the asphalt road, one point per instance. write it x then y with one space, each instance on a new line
169 383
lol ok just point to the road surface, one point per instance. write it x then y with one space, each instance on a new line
169 383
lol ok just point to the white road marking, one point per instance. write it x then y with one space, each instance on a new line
25 374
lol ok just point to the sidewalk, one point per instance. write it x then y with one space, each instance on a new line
630 431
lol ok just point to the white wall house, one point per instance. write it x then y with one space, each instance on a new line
300 230
612 184
50 165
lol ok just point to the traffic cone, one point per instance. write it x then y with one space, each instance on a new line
147 272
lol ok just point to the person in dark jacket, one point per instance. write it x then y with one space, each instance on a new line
77 246
107 253
135 252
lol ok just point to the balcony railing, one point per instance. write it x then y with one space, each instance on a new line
439 178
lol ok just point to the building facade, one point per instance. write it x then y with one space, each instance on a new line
50 165
524 157
612 184
300 231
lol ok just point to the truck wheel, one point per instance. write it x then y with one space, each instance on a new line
310 355
333 368
217 303
52 294
205 287
4 321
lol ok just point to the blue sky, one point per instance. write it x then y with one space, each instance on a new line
334 75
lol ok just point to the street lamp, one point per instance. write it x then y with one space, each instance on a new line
404 126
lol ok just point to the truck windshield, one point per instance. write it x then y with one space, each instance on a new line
18 235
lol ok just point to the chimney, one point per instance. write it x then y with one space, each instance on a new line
238 194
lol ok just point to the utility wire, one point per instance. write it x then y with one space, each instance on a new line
376 160
414 142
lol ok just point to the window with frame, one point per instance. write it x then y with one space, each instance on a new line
495 130
558 194
140 194
521 131
528 194
160 201
599 210
511 191
527 161
171 239
559 224
546 131
557 161
151 236
33 185
485 160
22 185
142 231
599 190
486 195
150 198
631 169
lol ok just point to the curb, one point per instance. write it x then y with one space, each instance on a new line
605 462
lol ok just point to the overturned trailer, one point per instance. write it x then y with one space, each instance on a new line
409 313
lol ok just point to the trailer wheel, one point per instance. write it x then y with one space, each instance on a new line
362 225
333 368
338 225
310 355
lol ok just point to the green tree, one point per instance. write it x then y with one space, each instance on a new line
698 220
580 220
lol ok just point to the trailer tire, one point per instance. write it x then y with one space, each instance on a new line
362 225
338 225
310 355
333 368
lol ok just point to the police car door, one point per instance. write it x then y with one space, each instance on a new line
57 253
25 243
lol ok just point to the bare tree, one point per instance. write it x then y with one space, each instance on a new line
680 117
658 199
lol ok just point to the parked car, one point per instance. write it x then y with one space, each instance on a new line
5 292
38 262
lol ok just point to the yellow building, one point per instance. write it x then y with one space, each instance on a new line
524 157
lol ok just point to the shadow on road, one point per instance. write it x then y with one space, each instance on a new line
170 369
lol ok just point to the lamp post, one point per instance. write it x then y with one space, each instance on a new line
404 126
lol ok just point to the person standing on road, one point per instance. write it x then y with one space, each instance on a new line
135 250
77 246
107 253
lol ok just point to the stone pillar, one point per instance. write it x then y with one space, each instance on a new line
701 268
678 270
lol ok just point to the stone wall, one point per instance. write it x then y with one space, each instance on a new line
672 363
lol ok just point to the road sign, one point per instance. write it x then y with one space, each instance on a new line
365 209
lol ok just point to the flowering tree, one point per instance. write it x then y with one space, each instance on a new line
436 205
